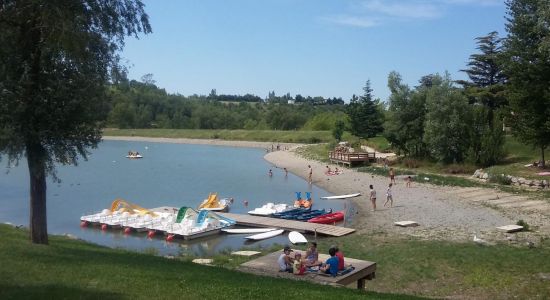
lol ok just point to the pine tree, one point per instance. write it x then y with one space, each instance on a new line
366 119
526 58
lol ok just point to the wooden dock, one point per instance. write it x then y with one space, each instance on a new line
350 158
304 227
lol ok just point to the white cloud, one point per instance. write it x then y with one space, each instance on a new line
410 10
370 13
355 21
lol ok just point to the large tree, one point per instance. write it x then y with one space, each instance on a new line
526 62
448 119
485 88
486 78
56 58
365 117
404 127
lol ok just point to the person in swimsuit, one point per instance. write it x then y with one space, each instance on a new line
389 197
392 176
372 197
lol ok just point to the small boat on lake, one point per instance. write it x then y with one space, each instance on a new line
341 196
270 208
290 212
214 204
328 218
305 203
265 235
247 230
133 155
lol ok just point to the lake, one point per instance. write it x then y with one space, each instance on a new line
168 175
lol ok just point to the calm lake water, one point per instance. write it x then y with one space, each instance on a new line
168 175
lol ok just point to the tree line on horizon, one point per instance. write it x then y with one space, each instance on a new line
62 82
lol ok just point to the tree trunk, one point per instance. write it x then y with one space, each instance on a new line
36 158
543 161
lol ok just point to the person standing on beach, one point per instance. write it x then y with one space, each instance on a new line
310 177
392 176
409 180
389 197
372 197
286 172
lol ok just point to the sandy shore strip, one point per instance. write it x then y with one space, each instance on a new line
213 142
439 210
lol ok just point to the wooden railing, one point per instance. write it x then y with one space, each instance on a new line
351 157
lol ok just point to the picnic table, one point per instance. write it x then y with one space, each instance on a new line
267 265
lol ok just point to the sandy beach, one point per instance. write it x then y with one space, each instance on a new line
443 213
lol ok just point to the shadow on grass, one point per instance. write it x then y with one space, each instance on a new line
53 292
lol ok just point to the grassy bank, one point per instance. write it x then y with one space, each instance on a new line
73 269
280 136
70 269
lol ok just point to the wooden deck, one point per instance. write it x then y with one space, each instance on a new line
267 265
304 227
350 159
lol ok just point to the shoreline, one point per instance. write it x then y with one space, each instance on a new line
440 211
212 142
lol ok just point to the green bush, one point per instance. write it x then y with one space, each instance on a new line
411 163
500 179
459 169
524 224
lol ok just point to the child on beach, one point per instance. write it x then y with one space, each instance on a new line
310 177
389 197
372 197
409 180
392 176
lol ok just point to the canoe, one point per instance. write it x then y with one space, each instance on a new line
328 218
312 214
265 235
296 238
289 212
134 156
247 230
341 196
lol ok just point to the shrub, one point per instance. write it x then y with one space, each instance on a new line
459 169
500 179
524 224
411 163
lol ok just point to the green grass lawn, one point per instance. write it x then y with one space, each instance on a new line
232 135
70 269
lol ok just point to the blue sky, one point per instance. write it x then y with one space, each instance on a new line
326 48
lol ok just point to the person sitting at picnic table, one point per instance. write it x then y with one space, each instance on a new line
285 261
298 267
312 256
340 257
331 266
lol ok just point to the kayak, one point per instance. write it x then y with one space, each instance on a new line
341 196
328 218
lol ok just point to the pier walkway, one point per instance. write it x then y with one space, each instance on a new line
304 227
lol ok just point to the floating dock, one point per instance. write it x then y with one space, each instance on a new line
290 225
